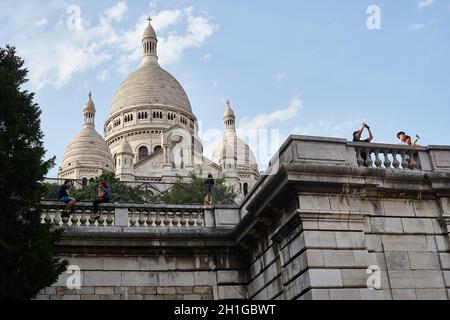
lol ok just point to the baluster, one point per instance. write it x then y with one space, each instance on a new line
151 218
359 159
200 219
412 163
101 220
191 219
183 220
57 218
109 220
74 219
48 219
368 161
83 218
387 163
141 220
166 218
395 162
65 221
91 221
132 219
404 161
194 215
158 220
176 219
378 162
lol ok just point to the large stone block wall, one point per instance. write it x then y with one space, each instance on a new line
158 277
336 238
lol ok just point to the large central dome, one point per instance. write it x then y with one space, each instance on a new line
150 85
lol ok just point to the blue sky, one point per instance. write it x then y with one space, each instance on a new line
305 67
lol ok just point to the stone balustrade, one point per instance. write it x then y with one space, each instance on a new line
388 156
126 215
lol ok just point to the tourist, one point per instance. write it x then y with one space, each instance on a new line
209 185
408 140
104 196
64 196
401 137
358 134
357 138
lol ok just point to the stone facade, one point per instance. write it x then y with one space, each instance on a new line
310 229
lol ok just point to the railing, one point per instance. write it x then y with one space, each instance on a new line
388 156
123 215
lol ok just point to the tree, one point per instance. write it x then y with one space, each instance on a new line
120 192
192 191
27 247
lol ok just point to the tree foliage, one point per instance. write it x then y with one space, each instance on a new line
27 247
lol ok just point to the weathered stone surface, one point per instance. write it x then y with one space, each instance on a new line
231 292
431 294
141 278
204 278
312 202
231 277
405 243
424 260
397 260
345 294
104 290
426 208
418 226
350 240
102 278
419 279
398 208
178 278
386 225
121 264
404 294
322 278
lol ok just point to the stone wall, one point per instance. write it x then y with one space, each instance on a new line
311 229
152 278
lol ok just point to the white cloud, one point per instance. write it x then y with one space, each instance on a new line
281 77
103 76
424 4
207 57
330 128
264 120
74 44
416 27
40 23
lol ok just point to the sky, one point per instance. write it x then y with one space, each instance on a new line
288 67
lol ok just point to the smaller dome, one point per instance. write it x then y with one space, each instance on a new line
234 148
88 148
125 147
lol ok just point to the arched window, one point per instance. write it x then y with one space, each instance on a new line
84 182
92 180
143 153
245 189
157 148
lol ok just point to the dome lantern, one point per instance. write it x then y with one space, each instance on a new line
89 112
229 119
150 43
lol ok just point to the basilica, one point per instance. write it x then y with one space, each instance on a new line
151 135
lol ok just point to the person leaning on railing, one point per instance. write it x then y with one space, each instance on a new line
104 196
